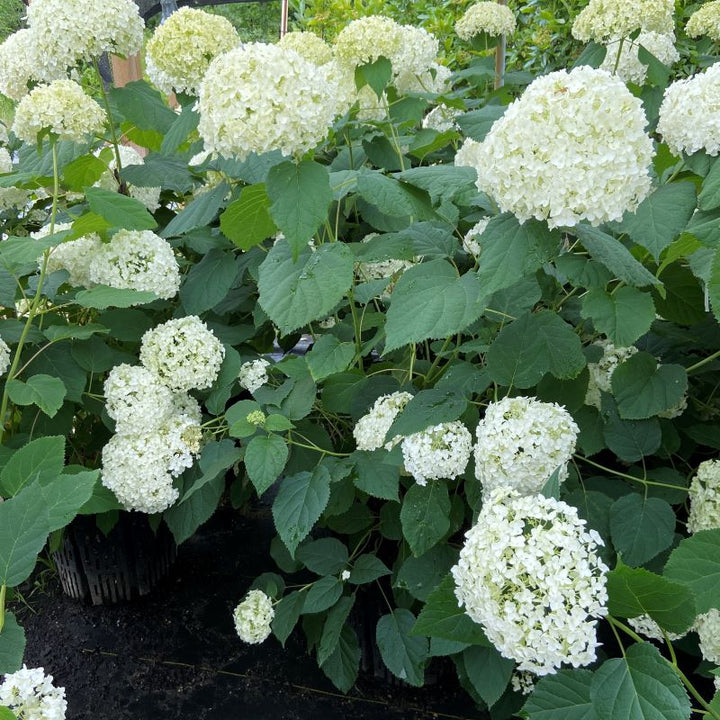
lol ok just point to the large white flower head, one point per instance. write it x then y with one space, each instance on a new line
603 20
4 357
629 67
68 31
75 256
485 17
17 64
183 352
31 695
602 371
262 97
573 147
707 626
521 442
309 45
62 108
148 196
253 617
530 574
704 494
440 451
705 21
137 260
253 374
182 433
690 113
370 430
182 48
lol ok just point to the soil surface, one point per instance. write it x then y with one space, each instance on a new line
174 654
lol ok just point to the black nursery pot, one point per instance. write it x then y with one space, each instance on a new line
125 564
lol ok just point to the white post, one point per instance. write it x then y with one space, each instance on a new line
284 12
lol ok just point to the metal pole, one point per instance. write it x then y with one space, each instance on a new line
284 12
500 57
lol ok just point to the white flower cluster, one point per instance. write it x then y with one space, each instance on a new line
308 45
646 626
148 196
10 197
183 353
704 495
440 451
370 430
260 97
380 269
253 617
182 48
689 113
17 64
573 147
529 572
705 21
253 374
75 256
521 442
604 20
707 626
523 682
4 357
31 695
470 244
485 17
441 118
629 67
602 371
63 108
136 260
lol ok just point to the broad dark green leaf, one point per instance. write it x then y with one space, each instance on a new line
394 198
428 407
329 356
376 74
199 212
566 695
287 613
246 221
488 671
265 458
217 457
12 646
41 460
623 315
102 297
695 563
159 171
119 210
476 124
208 282
343 665
185 518
375 477
143 106
45 391
366 569
323 594
404 655
420 575
326 556
425 515
440 181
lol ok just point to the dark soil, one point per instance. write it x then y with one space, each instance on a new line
174 654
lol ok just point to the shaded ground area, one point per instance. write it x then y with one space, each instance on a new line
174 655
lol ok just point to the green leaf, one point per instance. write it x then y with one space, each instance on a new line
566 695
533 345
63 497
180 129
488 671
329 356
440 181
246 221
326 556
159 171
287 613
709 198
643 389
641 527
639 686
208 282
636 591
443 617
278 423
216 458
12 647
38 461
366 569
300 195
623 315
6 714
551 489
713 284
375 74
684 300
55 333
185 518
119 210
614 256
420 575
695 563
198 212
404 655
265 458
299 504
323 594
428 407
392 197
476 124
296 293
102 297
449 304
45 391
425 515
143 106
343 665
661 217
332 628
83 172
375 477
630 440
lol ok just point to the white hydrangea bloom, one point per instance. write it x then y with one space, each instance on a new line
136 399
182 433
521 442
370 430
530 574
10 197
707 626
554 156
436 79
148 196
380 269
4 357
704 495
441 118
183 352
137 260
645 625
468 154
440 451
602 371
5 161
63 108
308 45
75 256
470 245
485 17
17 64
68 31
371 108
705 21
603 20
182 48
253 617
253 374
690 112
629 67
262 97
31 695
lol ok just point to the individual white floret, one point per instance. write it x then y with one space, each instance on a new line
253 374
603 20
704 496
629 67
253 617
440 451
31 695
370 430
530 574
485 17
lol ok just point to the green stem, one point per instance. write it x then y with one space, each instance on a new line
629 477
428 374
309 445
3 590
617 58
705 361
106 102
614 622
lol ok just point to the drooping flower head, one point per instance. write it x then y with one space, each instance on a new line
530 574
704 494
31 695
604 20
629 67
253 617
573 147
705 21
182 48
485 17
370 430
440 451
